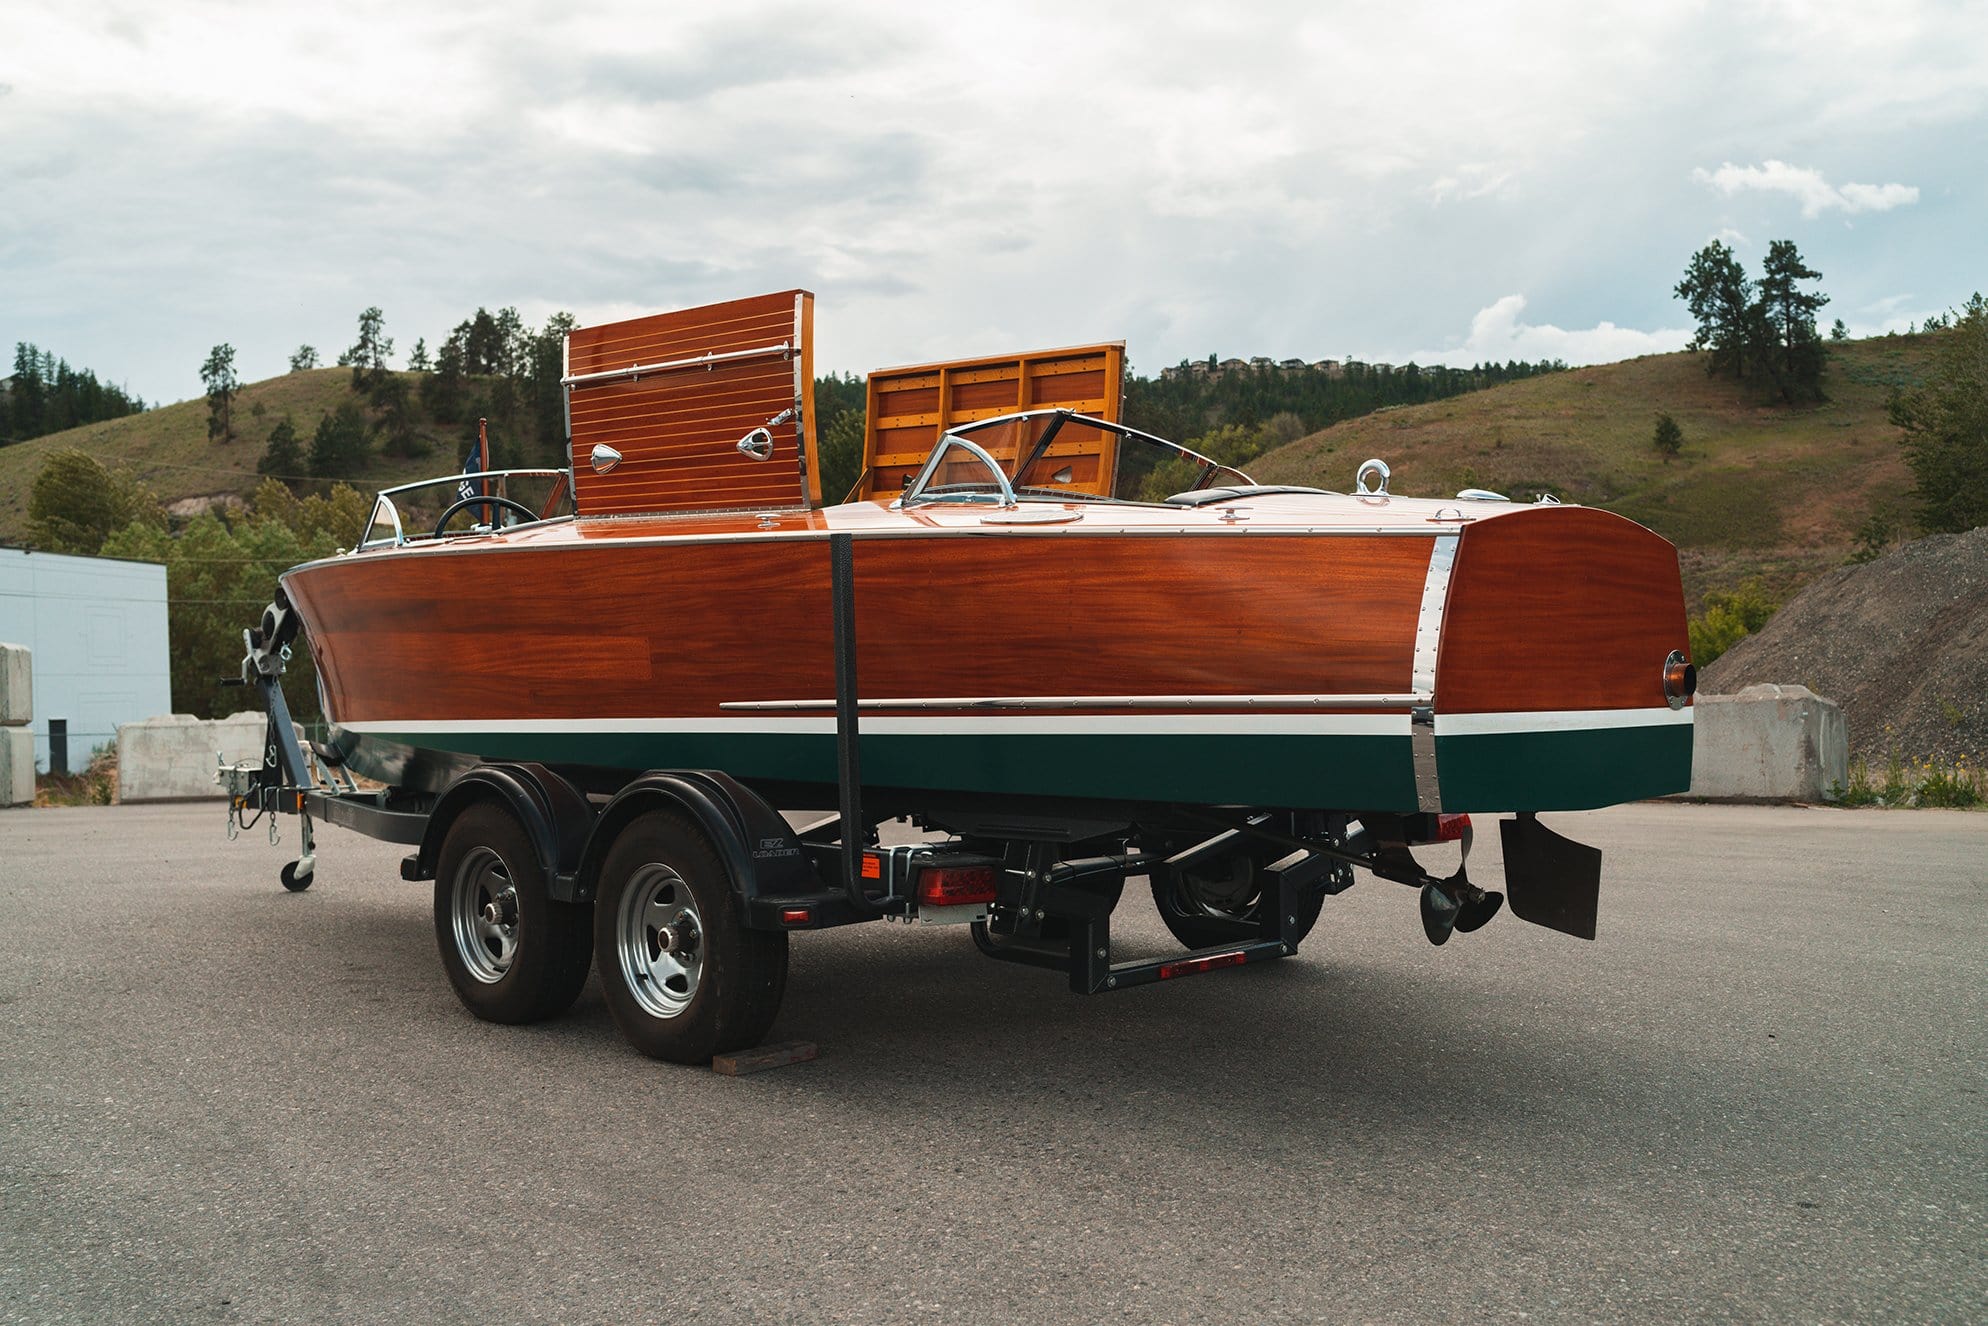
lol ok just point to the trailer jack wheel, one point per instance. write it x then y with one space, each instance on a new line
683 976
295 879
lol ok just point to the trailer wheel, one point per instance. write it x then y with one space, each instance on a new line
684 978
512 953
1224 903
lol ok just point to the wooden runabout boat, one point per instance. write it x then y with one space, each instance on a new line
1031 627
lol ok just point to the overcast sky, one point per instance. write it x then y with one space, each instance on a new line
1445 182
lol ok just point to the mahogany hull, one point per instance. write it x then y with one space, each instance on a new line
1226 657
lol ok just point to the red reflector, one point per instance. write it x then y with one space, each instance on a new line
796 915
956 886
873 866
1449 828
1189 966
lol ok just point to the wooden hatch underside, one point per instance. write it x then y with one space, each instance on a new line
910 407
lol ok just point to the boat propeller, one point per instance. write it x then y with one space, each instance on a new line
1456 904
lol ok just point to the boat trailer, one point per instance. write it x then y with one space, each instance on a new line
663 878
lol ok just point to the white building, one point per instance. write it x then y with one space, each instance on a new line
97 627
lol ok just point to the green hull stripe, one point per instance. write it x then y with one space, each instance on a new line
1571 770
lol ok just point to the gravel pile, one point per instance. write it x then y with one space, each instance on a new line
1901 643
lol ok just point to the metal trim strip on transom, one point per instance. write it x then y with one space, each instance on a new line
1422 678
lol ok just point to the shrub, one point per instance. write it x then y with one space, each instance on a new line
1729 617
1669 439
1952 784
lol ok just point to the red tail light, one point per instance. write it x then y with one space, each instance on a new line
1449 828
956 886
1189 966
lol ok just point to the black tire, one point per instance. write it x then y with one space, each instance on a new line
531 960
292 880
1225 905
683 976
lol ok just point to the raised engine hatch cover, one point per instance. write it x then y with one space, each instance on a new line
676 395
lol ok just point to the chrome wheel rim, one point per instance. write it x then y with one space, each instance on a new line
659 939
484 915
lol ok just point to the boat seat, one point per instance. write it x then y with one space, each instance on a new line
1207 496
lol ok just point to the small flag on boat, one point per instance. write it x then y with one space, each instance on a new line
477 463
469 488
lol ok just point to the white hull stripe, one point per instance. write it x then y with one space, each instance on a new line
1306 724
1558 720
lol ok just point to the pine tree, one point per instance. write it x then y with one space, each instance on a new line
1945 420
1669 439
338 446
218 376
283 456
418 361
368 355
395 428
305 358
444 392
1720 297
1787 315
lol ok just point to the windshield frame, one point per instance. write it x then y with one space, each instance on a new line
1008 492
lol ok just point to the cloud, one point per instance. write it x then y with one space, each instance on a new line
1474 180
1816 194
1283 179
1497 334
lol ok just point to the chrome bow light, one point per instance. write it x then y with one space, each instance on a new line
604 458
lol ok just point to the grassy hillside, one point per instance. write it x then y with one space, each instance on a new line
169 449
1758 490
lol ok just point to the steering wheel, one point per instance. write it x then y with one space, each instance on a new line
531 516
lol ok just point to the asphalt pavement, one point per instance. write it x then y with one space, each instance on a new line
1758 1096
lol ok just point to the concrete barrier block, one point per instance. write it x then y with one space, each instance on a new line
17 766
172 758
1769 743
17 685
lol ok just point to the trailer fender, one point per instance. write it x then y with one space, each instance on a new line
761 852
556 817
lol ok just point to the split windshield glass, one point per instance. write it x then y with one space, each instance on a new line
1062 456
